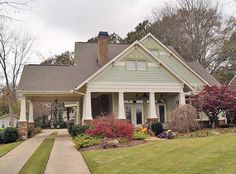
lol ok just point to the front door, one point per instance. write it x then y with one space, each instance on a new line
134 113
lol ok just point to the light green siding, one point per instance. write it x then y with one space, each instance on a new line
173 63
152 75
152 45
181 70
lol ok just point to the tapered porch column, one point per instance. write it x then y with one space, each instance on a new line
87 110
121 112
152 106
23 109
31 120
152 117
23 124
182 98
31 112
77 119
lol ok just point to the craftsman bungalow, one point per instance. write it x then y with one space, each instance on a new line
138 82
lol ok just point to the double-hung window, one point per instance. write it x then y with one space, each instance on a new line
140 65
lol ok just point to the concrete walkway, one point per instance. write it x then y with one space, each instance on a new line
65 158
12 162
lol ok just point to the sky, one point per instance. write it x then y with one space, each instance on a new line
57 24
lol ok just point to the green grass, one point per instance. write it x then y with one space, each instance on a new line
5 148
38 161
54 133
209 155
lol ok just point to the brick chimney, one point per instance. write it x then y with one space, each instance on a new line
103 48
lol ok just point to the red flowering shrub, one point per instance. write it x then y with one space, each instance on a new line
110 127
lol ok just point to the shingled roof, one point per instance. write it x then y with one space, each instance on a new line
66 78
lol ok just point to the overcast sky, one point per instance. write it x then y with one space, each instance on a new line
57 24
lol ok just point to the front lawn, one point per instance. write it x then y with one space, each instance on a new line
5 148
210 155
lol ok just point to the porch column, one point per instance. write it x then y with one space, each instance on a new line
31 120
87 113
31 112
121 112
182 98
77 117
152 106
23 109
23 124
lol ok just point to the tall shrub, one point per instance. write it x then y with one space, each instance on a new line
183 119
108 126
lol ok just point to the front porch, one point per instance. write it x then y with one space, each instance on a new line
136 107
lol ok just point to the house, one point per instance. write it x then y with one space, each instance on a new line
232 83
140 82
6 121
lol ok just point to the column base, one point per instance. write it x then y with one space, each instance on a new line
150 121
23 129
87 122
31 129
123 119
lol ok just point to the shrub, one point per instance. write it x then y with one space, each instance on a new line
108 126
10 135
38 130
1 136
78 129
183 119
70 125
157 128
62 124
140 135
1 129
168 135
83 140
200 133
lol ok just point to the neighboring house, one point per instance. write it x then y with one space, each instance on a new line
5 121
232 83
140 82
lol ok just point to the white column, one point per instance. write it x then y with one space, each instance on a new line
31 112
23 109
181 98
152 106
121 112
145 109
77 119
88 110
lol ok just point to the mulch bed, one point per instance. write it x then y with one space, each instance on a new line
121 145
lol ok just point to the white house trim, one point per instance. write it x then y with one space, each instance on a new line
231 81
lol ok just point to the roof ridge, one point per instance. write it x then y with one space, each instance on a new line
97 43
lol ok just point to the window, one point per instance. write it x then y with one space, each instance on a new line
130 65
136 65
141 65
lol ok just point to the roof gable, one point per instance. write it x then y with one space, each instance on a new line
124 52
173 61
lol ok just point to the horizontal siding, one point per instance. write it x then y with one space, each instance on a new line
152 75
181 70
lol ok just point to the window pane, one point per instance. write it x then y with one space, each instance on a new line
130 65
141 65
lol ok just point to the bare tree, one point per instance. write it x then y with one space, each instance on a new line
15 50
9 5
196 29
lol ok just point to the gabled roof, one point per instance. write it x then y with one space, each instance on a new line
54 78
136 43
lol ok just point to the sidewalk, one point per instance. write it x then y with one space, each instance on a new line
12 162
65 158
